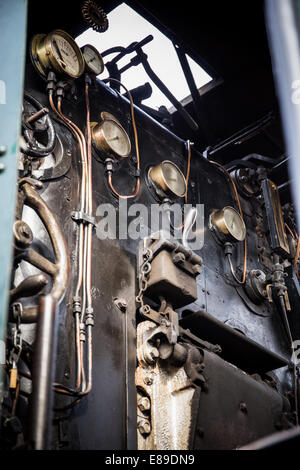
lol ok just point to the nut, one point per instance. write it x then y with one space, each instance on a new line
144 404
121 304
178 258
144 426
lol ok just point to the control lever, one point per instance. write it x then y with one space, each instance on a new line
31 286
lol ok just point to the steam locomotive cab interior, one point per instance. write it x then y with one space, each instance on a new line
150 244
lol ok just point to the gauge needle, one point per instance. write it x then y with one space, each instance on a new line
59 53
113 138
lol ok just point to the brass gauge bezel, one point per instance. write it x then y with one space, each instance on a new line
219 226
105 115
43 57
161 185
100 141
88 68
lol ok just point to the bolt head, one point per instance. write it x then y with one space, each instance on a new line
144 426
179 258
243 407
197 269
144 404
2 149
148 380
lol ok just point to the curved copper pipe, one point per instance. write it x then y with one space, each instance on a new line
137 189
137 148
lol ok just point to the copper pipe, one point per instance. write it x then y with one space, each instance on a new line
297 254
83 187
90 201
137 148
81 144
85 253
137 189
290 230
78 350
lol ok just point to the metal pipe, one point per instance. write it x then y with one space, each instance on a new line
43 374
282 18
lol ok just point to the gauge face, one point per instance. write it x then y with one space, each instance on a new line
57 51
93 59
229 222
174 178
234 223
116 138
109 135
168 179
65 52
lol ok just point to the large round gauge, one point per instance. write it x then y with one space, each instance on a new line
110 136
57 51
93 59
228 224
168 180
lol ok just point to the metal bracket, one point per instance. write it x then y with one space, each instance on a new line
79 216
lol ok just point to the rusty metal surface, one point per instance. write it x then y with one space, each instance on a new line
173 400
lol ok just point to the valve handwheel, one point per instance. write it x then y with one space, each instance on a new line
60 270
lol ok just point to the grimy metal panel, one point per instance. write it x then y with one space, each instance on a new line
106 419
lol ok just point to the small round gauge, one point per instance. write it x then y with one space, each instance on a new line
110 136
228 224
93 59
59 52
168 180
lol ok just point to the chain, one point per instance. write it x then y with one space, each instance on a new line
27 162
144 276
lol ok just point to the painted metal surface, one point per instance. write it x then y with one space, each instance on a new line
13 17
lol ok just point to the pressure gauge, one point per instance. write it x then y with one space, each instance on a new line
93 59
110 136
168 180
228 225
58 52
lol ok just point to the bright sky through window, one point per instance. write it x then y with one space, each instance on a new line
127 26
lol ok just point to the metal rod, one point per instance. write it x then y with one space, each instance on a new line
43 374
38 115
